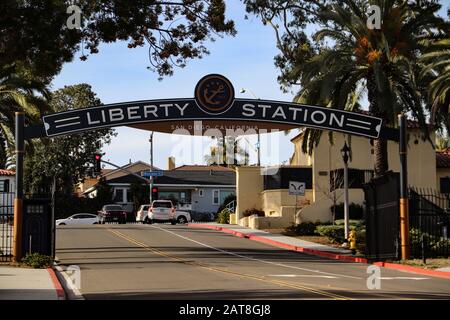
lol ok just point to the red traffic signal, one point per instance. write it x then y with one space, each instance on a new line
98 157
98 163
155 193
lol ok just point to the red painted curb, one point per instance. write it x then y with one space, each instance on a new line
426 272
275 243
58 287
330 255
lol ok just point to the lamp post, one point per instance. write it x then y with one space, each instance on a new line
151 166
258 145
345 152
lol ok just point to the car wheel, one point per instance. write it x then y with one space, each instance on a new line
173 222
95 223
150 221
62 224
145 221
181 220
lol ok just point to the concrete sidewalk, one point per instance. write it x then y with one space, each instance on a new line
29 284
276 238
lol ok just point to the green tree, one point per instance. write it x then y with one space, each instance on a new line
139 194
345 57
227 152
104 193
36 36
70 157
436 72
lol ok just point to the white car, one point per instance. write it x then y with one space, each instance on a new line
79 218
161 211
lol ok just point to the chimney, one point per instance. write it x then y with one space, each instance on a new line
171 163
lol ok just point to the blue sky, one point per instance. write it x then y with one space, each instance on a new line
119 74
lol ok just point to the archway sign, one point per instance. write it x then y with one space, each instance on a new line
215 107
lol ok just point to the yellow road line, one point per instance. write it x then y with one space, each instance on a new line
243 275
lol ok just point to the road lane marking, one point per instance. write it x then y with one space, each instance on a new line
300 275
402 278
211 268
256 259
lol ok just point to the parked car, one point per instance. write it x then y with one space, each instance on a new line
142 213
79 218
162 211
112 213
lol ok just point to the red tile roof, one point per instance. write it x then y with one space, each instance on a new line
443 159
4 172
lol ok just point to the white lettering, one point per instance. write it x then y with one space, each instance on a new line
116 115
248 108
91 121
279 112
166 106
182 108
322 114
295 112
340 122
374 19
150 109
264 107
133 113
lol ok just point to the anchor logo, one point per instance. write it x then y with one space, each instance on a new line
214 94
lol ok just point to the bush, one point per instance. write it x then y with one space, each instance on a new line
37 260
223 217
356 211
303 229
336 233
253 211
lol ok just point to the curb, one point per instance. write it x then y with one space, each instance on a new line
330 255
427 272
275 243
58 287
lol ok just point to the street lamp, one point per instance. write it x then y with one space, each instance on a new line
345 152
258 145
151 165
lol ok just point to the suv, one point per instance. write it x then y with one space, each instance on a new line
142 213
112 213
162 211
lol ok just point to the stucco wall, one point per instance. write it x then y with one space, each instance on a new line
249 184
205 203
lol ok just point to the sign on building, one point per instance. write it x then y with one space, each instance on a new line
297 188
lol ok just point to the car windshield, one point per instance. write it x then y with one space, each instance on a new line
113 208
163 204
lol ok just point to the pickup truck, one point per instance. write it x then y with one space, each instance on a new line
112 213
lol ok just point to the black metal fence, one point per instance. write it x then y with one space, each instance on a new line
6 225
429 223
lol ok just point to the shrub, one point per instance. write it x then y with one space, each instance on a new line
223 217
303 229
336 233
250 212
37 260
356 211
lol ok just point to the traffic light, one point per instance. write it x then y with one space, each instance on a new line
97 163
155 193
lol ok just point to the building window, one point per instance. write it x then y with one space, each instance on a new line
4 185
445 185
129 196
201 193
118 197
216 197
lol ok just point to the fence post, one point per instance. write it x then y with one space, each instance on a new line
18 201
404 216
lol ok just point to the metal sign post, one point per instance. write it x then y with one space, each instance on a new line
298 189
18 201
404 214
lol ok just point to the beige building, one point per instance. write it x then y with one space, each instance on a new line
322 170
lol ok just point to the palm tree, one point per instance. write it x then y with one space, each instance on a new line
442 143
18 93
226 153
352 60
436 72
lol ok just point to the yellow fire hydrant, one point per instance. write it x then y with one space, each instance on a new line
352 241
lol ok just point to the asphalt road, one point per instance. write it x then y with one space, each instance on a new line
162 261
